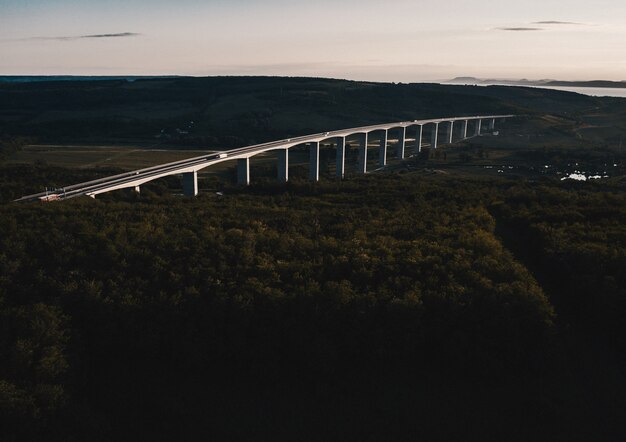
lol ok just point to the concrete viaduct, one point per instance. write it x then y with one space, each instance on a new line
406 130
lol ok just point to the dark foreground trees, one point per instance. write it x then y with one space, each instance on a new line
370 309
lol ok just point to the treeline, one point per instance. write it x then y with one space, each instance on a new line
10 145
250 109
373 308
574 238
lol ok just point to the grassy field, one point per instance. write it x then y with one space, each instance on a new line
122 157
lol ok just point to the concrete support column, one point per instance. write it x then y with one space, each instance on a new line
382 153
433 136
190 183
450 132
464 129
137 189
363 154
479 123
401 143
243 171
492 124
341 156
283 165
314 162
418 139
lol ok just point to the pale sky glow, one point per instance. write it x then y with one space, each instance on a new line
395 40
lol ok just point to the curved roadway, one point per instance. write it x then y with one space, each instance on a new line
141 176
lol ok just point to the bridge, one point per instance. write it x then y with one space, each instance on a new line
189 168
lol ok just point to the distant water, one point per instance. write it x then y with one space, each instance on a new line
592 91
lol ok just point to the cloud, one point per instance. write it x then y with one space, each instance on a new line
545 24
82 37
556 22
121 34
519 29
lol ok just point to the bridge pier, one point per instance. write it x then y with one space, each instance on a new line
418 139
433 136
283 165
401 143
341 157
137 189
363 154
382 152
492 124
450 132
479 123
464 129
314 162
243 171
190 183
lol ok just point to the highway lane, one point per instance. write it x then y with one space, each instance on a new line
135 178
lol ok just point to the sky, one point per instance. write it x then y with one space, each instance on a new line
374 40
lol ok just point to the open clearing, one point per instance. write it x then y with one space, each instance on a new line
121 157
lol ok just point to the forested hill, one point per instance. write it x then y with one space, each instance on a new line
235 111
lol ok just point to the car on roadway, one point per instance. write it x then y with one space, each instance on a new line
47 198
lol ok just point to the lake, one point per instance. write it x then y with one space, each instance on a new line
593 91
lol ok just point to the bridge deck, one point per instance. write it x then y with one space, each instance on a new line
141 176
